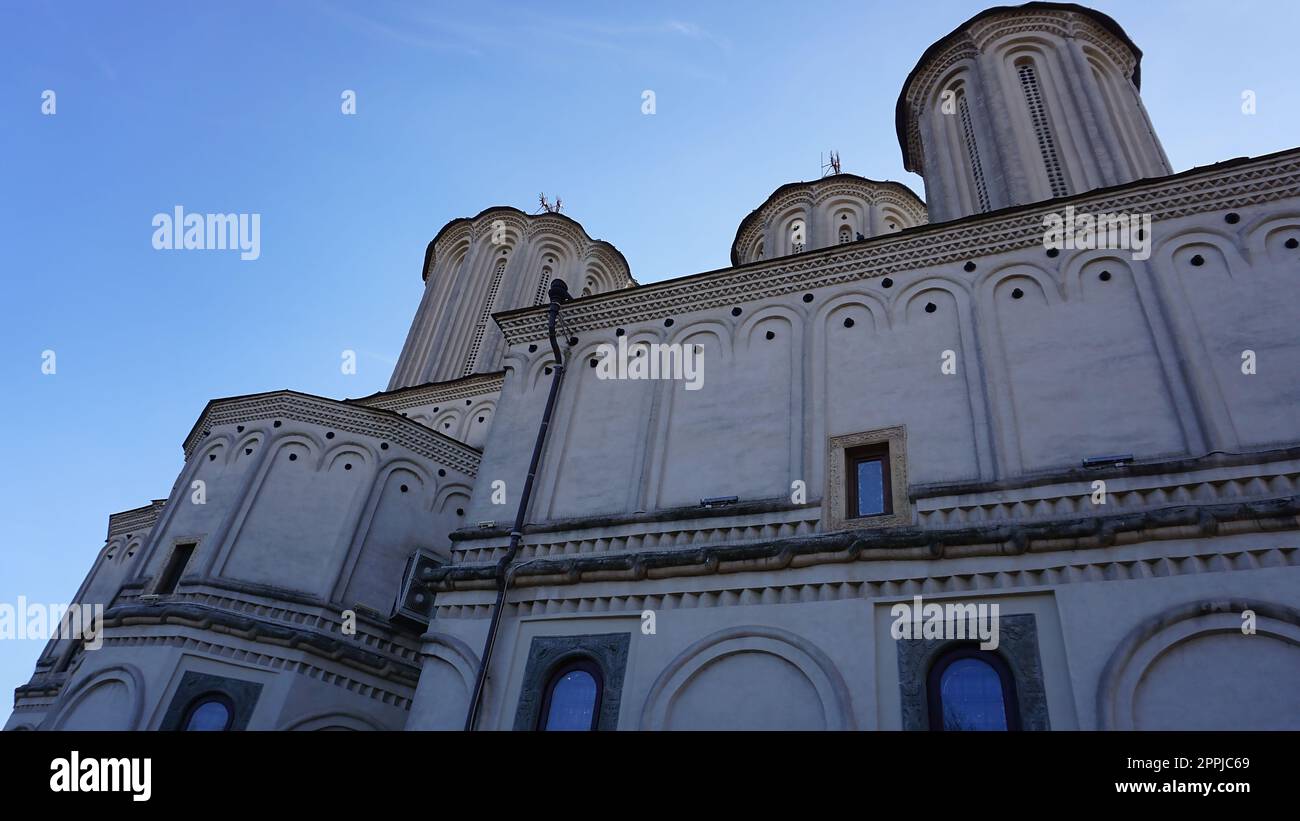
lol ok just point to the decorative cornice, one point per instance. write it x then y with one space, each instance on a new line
530 225
1233 184
377 423
890 544
265 632
135 520
434 392
891 583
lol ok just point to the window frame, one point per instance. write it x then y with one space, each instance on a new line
934 681
835 504
203 698
875 452
587 665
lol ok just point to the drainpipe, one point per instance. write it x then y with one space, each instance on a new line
559 293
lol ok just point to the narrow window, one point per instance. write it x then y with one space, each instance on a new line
796 237
208 713
1042 128
543 285
972 153
758 252
868 492
573 697
480 327
972 689
846 234
175 566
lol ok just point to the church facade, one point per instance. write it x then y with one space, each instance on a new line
1025 455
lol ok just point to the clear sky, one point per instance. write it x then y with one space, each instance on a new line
235 107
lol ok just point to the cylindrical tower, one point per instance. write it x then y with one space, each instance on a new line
500 260
1026 103
834 210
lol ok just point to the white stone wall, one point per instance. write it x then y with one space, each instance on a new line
1147 362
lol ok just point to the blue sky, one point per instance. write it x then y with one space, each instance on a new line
235 107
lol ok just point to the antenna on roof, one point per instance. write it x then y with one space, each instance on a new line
832 166
547 207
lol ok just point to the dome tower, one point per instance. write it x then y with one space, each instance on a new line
1026 103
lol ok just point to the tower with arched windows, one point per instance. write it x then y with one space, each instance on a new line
500 260
1026 103
834 210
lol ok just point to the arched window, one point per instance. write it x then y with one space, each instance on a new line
212 712
972 689
972 152
846 234
480 327
758 250
544 284
796 237
1042 127
573 697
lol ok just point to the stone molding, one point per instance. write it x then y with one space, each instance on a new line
356 419
1145 643
816 666
1235 184
889 544
434 393
680 593
263 631
136 519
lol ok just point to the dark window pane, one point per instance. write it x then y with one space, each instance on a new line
573 702
209 716
871 487
972 697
